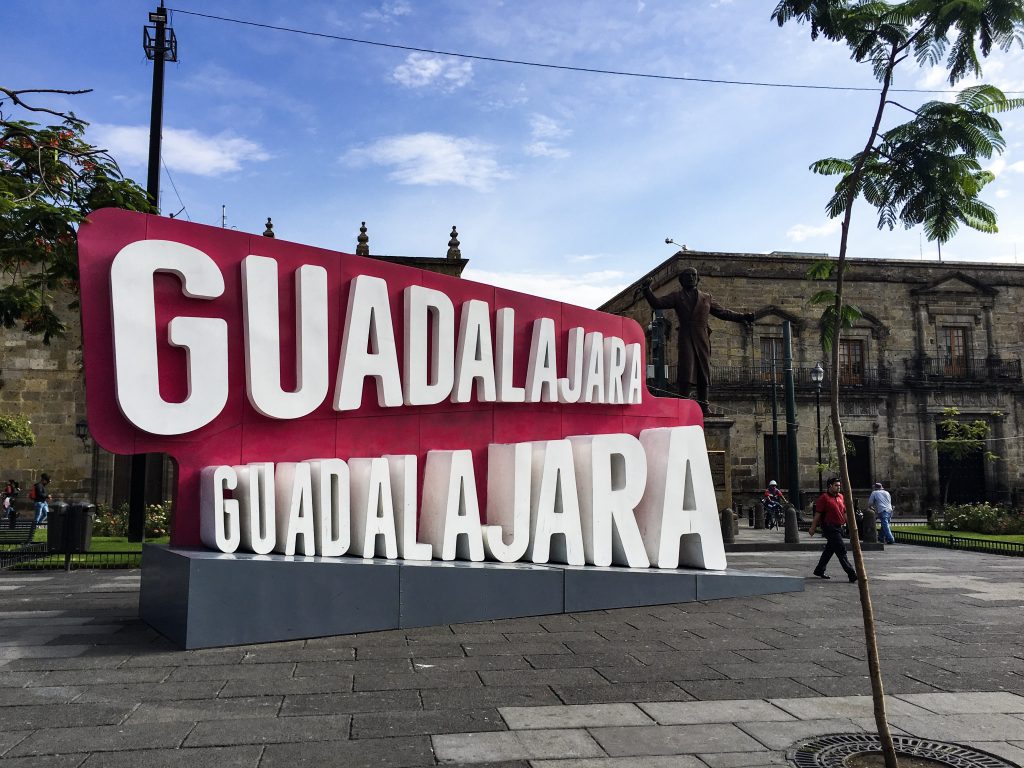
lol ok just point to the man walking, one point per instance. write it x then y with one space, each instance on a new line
830 513
882 502
41 497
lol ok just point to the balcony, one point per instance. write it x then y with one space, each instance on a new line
760 377
962 369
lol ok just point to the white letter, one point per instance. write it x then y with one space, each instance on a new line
570 388
429 326
679 505
632 381
218 517
403 491
330 506
294 509
542 373
373 510
508 501
507 392
255 496
368 347
554 505
261 319
593 368
204 339
451 511
611 471
474 358
615 368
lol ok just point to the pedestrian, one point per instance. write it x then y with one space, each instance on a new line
882 502
41 497
830 514
10 495
772 504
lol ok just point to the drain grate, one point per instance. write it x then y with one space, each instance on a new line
832 750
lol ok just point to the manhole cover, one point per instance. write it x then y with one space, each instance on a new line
835 751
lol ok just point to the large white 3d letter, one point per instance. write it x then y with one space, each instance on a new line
554 505
403 491
255 494
368 347
611 471
373 509
450 520
571 387
615 368
294 491
542 371
678 515
331 506
593 368
261 319
204 339
429 326
632 381
218 517
504 367
474 357
507 533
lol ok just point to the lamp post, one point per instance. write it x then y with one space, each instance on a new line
817 376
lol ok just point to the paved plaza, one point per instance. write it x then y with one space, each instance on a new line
722 684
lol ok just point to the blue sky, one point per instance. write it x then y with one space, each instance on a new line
561 183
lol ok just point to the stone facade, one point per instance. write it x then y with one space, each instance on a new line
931 335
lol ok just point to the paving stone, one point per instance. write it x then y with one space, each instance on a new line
743 759
287 686
679 670
621 692
574 716
269 730
349 703
390 724
724 711
217 709
967 703
1005 750
40 695
749 671
745 689
41 651
568 676
514 745
515 649
845 706
103 738
204 658
32 717
582 659
783 735
231 672
84 661
195 757
401 752
472 663
488 696
46 761
371 667
424 679
273 653
976 727
9 737
101 676
673 739
656 761
861 685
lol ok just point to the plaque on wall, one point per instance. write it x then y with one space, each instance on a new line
717 461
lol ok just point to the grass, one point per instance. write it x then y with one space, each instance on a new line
109 543
1016 538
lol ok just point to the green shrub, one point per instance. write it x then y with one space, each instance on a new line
114 522
979 518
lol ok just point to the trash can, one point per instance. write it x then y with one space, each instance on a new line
71 531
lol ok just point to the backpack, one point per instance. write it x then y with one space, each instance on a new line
33 492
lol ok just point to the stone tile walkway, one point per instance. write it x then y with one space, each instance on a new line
721 684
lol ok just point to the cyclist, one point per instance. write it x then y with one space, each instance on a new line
772 503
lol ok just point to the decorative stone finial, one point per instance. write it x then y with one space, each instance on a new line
363 242
269 231
453 245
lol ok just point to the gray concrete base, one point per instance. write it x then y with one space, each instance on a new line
202 599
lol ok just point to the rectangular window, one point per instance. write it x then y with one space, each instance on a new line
954 352
771 345
851 361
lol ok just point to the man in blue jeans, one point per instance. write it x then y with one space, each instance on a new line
882 502
830 514
41 499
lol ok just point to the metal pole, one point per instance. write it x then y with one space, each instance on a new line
137 490
817 423
792 425
775 422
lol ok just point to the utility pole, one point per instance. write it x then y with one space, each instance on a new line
791 423
160 45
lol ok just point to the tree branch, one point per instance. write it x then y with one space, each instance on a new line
15 97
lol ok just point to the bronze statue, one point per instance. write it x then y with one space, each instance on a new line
692 308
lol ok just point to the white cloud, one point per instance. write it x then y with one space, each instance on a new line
388 12
545 132
432 159
423 69
798 233
590 289
186 151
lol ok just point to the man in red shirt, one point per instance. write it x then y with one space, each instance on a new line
830 513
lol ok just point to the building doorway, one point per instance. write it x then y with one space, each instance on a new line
962 480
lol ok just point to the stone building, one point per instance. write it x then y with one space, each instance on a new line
932 335
46 383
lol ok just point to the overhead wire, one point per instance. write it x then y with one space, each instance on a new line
548 65
175 188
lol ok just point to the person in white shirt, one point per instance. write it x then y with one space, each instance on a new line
882 502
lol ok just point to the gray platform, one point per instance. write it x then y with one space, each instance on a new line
201 599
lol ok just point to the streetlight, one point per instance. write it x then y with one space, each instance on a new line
817 376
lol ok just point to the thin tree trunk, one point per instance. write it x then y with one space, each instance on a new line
867 610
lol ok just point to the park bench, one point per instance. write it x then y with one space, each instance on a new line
16 543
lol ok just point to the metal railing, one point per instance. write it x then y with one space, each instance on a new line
948 541
962 369
760 376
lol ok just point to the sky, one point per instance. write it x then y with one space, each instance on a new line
561 183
